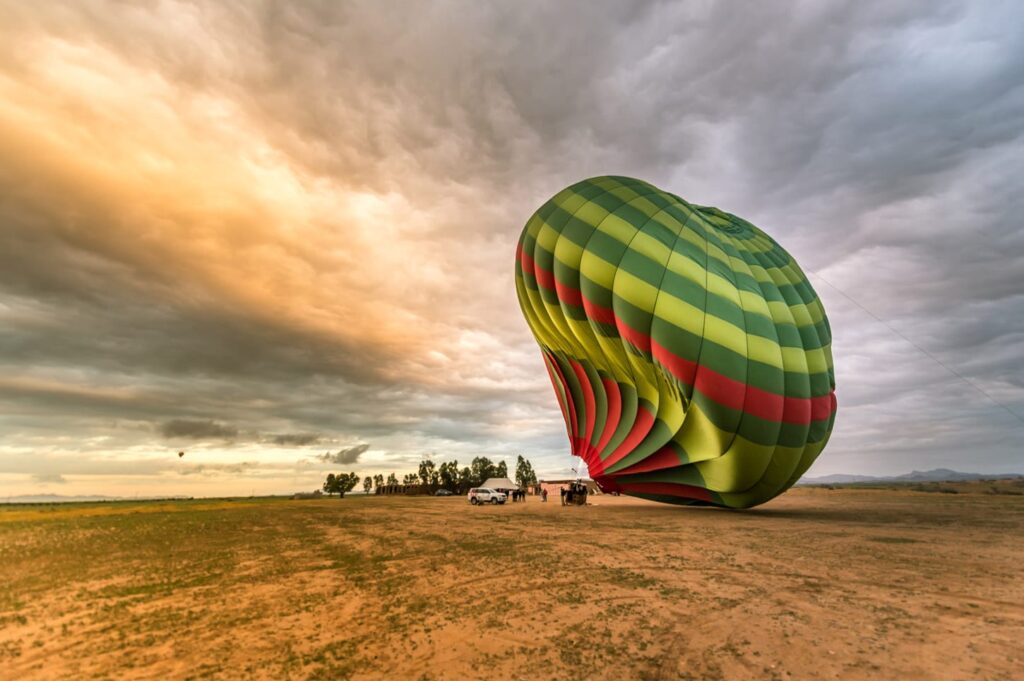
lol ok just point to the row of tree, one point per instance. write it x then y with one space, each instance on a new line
432 477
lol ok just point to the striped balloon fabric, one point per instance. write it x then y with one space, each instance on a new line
690 356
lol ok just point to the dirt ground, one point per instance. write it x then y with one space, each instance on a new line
819 584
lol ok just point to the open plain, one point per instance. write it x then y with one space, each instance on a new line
845 583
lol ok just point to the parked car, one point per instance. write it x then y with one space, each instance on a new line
483 495
442 493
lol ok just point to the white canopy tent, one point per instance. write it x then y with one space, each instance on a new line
500 484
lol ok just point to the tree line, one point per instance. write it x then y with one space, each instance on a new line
432 477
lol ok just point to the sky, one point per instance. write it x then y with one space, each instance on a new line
280 237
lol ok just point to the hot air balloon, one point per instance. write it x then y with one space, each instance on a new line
689 354
181 454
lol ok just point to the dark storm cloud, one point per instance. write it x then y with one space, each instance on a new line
364 289
347 455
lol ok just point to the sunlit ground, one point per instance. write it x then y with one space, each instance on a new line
819 583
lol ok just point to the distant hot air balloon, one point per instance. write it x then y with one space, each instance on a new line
181 454
689 354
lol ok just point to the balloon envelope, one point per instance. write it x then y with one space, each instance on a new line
690 356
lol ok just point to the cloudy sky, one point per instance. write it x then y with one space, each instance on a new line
281 239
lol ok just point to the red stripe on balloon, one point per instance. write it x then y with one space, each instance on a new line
665 457
821 409
558 396
598 313
667 488
569 403
641 426
568 294
589 406
639 339
680 367
526 260
607 485
544 277
611 422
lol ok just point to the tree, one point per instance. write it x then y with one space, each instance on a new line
427 473
448 475
482 468
524 472
465 480
392 480
501 470
367 484
348 482
340 484
378 480
410 479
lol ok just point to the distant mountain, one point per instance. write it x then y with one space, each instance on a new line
53 498
837 479
934 475
62 499
946 475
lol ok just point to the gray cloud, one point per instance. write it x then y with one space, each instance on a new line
49 478
348 455
197 430
881 142
296 439
209 469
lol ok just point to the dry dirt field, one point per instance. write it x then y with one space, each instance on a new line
847 583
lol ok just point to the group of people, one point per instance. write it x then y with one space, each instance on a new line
576 494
